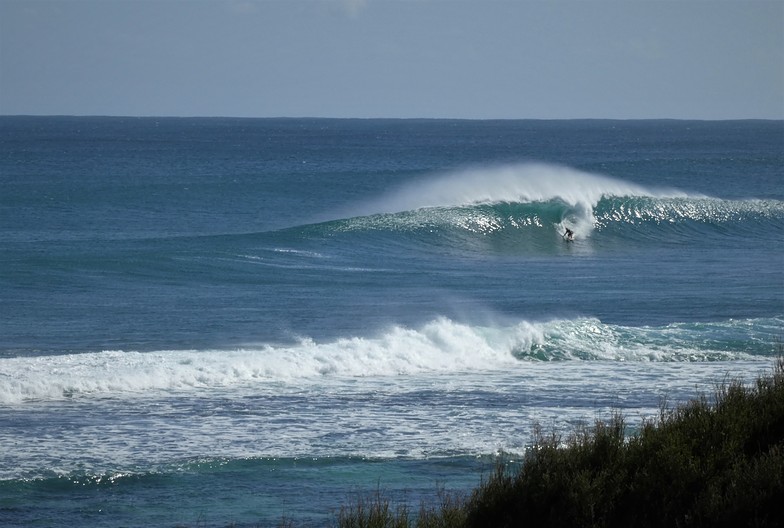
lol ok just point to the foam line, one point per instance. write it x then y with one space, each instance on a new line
439 346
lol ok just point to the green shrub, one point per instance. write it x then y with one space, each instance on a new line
717 463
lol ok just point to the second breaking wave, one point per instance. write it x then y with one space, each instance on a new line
439 346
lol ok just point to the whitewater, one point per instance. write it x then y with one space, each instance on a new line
439 347
214 321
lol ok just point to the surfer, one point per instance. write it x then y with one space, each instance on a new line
568 235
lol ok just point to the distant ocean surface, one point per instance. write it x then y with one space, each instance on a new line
215 321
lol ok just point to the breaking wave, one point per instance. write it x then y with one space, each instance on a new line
439 346
536 202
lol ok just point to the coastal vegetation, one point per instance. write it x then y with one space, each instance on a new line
715 461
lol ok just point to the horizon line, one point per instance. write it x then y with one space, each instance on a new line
383 118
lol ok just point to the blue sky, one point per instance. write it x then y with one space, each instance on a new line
394 58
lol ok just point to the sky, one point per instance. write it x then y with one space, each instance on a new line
468 59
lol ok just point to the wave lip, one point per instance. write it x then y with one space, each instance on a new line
439 346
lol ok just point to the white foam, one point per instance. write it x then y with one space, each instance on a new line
440 346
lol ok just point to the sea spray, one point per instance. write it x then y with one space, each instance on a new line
527 182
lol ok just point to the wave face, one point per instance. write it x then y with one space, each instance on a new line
441 346
689 217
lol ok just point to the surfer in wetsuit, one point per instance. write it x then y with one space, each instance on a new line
569 235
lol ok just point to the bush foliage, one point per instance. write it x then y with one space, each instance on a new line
715 462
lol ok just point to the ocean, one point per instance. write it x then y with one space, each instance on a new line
214 321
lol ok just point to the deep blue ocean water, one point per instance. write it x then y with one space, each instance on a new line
213 321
